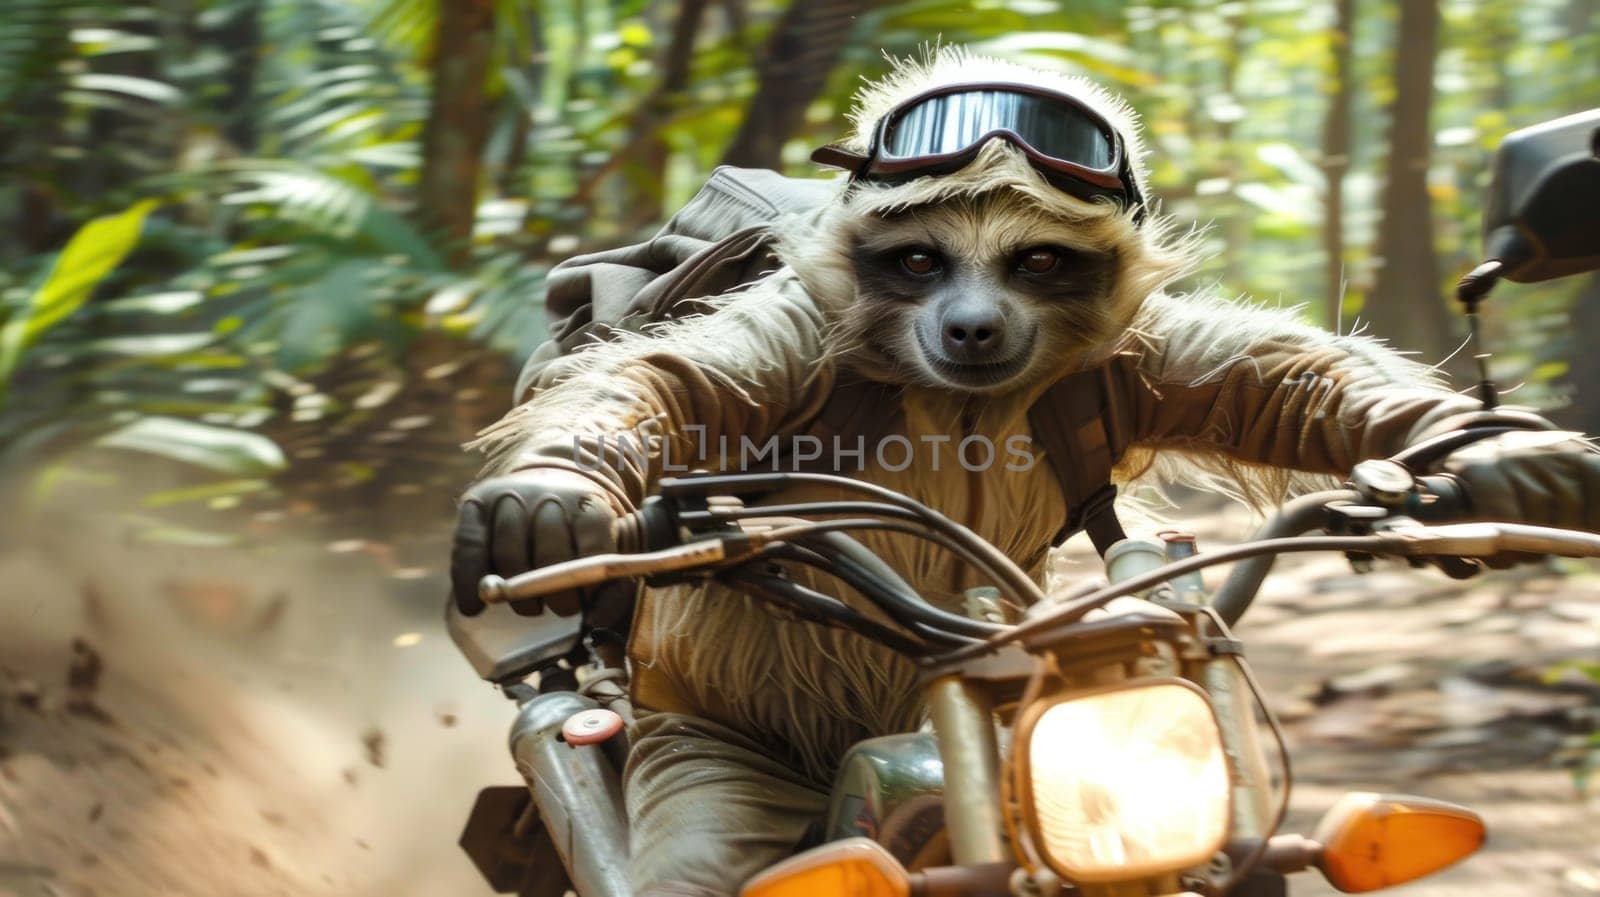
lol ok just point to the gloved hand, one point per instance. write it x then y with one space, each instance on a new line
1546 478
1541 477
533 518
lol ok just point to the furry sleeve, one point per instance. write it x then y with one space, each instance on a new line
626 411
1238 389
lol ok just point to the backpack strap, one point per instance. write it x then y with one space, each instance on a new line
1069 421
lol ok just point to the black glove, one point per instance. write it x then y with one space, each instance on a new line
1539 477
1542 477
533 518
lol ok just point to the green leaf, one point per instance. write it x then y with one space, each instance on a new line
106 41
151 344
143 88
223 449
158 303
92 254
635 34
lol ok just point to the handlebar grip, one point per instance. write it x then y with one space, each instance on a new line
646 541
651 528
627 533
1439 498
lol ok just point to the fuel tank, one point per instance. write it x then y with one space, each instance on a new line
891 789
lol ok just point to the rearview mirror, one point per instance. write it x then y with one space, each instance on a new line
1543 215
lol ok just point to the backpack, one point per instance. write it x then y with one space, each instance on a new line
720 240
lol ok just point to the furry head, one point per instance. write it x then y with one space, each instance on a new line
979 226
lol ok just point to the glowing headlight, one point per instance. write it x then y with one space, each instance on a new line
1123 784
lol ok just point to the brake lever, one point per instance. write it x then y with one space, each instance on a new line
1484 540
581 572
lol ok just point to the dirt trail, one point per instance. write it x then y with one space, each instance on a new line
290 720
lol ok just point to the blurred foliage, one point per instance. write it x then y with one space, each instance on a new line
213 250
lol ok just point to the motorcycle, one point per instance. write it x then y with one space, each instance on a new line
1111 743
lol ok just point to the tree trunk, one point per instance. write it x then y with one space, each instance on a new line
647 190
1405 305
240 37
794 67
122 143
31 118
457 126
508 178
1336 161
644 158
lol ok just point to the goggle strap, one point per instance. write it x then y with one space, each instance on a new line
835 156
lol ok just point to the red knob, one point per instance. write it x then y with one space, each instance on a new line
591 726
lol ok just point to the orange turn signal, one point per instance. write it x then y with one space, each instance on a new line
853 867
1371 841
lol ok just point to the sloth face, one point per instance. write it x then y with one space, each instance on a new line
980 294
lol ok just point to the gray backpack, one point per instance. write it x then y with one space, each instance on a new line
721 240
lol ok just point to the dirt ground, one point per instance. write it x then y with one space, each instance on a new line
290 719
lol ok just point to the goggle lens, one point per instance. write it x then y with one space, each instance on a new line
952 122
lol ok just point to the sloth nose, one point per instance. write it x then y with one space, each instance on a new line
973 338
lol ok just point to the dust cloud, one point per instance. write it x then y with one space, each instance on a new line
281 718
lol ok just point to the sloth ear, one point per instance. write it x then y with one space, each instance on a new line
835 156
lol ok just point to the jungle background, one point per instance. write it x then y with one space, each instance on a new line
266 264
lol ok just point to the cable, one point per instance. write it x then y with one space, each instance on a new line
1071 610
1252 859
820 608
990 562
928 631
981 564
902 604
748 482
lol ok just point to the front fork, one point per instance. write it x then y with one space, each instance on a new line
578 790
963 723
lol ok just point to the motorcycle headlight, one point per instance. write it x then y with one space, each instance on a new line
1126 783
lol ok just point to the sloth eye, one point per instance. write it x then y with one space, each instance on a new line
919 262
1039 261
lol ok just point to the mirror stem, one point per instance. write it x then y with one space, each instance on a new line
1488 394
1471 292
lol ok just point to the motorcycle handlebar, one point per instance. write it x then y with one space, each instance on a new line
1449 540
1439 499
1297 516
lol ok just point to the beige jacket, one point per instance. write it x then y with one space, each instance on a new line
1207 386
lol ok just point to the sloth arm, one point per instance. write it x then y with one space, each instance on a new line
753 369
1264 388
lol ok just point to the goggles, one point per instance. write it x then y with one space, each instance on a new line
943 130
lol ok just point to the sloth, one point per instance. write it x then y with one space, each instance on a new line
958 303
956 291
